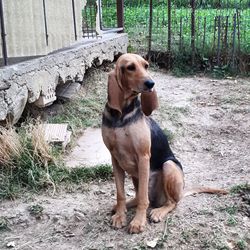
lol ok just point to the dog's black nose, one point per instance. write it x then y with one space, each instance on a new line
149 84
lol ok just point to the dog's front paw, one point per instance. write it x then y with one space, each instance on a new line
119 220
137 226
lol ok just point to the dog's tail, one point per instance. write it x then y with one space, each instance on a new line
204 190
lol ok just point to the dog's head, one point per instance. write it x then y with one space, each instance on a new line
130 78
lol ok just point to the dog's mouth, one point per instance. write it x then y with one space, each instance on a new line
143 89
148 90
137 92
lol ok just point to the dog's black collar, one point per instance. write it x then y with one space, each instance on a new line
117 119
126 110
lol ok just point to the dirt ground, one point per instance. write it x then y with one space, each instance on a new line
209 121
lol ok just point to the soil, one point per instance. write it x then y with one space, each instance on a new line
209 121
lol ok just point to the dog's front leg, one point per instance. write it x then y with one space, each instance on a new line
137 225
119 218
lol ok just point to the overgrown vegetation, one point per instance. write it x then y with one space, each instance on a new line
28 162
3 224
34 166
221 39
86 108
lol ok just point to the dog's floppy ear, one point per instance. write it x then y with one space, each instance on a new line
115 94
149 102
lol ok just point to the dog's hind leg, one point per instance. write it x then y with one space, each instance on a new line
173 184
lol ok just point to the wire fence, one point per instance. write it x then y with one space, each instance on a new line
210 34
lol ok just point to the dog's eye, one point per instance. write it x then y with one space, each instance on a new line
146 66
131 67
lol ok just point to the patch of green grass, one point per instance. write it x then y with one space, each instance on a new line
241 244
35 177
231 210
36 211
170 135
3 224
205 212
174 113
240 188
80 113
85 110
232 221
28 169
223 247
37 167
81 174
186 235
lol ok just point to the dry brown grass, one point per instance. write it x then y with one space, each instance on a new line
10 146
41 147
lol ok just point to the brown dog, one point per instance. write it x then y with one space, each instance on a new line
139 147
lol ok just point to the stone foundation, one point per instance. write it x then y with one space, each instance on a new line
35 81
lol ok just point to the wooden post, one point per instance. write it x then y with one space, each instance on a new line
3 35
169 34
120 13
193 31
150 26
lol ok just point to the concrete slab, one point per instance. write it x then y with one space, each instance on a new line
56 134
90 150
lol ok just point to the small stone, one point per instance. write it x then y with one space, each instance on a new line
110 245
79 216
152 243
11 244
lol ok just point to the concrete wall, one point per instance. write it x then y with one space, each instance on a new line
25 26
29 81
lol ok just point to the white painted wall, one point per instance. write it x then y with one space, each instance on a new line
24 25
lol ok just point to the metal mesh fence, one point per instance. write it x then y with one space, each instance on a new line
215 31
89 19
108 12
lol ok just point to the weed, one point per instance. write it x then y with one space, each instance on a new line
232 221
174 113
10 146
241 244
86 108
223 247
231 210
169 134
81 174
240 188
36 211
130 49
3 224
205 212
80 113
35 177
186 235
140 247
34 167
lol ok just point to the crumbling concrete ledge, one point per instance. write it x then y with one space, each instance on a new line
27 82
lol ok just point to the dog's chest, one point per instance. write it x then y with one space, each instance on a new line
127 144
